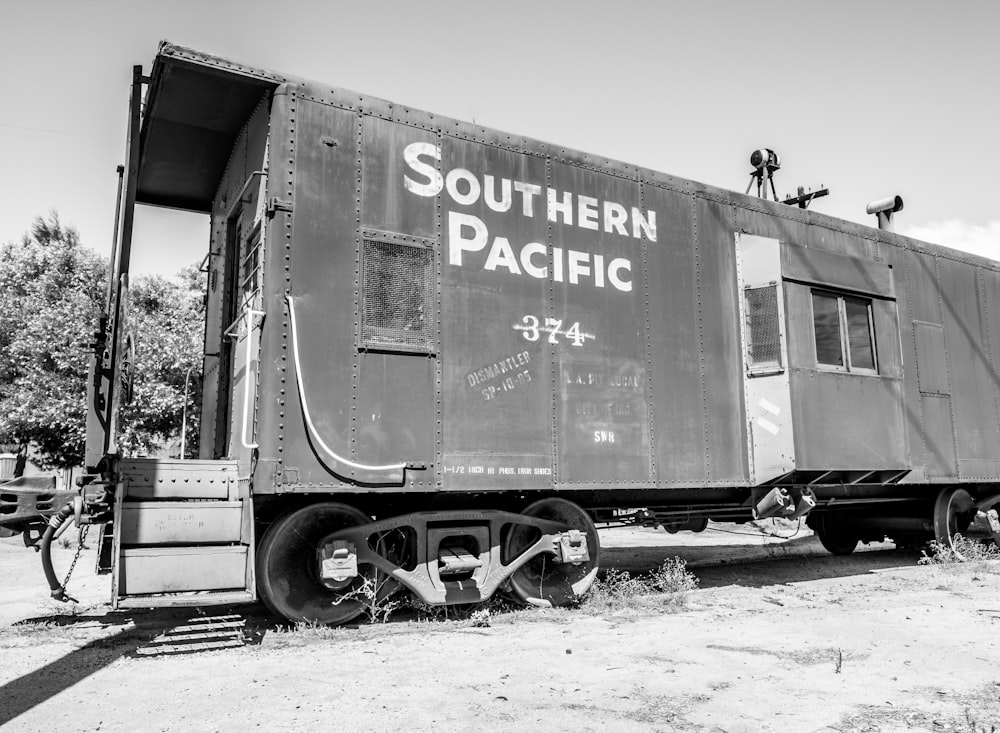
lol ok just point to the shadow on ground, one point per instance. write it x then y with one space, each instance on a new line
160 632
136 634
777 571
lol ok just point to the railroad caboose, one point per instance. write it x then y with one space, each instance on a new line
435 354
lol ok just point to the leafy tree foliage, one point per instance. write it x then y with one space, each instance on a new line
52 290
167 322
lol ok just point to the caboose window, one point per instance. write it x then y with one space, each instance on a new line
826 322
858 314
845 338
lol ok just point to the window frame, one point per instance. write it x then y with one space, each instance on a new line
848 366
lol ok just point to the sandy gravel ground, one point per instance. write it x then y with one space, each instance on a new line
793 641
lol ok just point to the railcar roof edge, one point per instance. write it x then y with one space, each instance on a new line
197 103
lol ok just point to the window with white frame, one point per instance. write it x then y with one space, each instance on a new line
844 332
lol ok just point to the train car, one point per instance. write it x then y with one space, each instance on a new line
435 354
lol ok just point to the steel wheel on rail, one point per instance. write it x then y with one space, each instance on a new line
542 581
288 572
836 533
954 510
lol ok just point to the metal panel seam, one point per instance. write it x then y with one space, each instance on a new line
289 194
356 355
550 312
202 59
916 364
439 358
947 366
650 397
743 356
701 337
741 309
984 306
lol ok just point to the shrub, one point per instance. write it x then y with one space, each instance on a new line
961 550
665 587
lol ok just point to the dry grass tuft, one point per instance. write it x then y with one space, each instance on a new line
979 555
664 588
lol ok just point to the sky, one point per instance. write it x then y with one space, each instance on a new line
870 99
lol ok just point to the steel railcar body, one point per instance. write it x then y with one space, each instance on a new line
435 353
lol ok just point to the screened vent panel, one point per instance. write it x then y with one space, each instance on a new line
397 287
763 328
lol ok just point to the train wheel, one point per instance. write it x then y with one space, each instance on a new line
835 533
542 581
287 571
953 513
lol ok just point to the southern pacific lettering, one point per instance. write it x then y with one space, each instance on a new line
468 236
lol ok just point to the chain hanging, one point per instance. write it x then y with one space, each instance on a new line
79 549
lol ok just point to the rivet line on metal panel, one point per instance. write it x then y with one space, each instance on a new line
650 402
289 191
356 355
438 366
207 60
553 373
701 335
384 236
668 183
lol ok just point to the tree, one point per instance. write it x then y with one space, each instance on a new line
167 320
52 290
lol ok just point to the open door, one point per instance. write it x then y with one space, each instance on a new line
238 398
765 356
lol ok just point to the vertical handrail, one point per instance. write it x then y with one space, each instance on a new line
250 313
120 268
114 237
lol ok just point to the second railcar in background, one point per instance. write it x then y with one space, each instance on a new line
436 353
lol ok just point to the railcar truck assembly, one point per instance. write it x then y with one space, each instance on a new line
435 354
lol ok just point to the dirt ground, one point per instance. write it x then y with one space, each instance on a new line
778 637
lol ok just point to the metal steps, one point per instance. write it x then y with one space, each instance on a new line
183 535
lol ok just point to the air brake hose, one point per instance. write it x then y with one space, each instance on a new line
55 522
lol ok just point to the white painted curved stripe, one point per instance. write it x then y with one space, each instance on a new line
300 382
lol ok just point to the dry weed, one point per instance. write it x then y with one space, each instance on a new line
664 588
982 555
